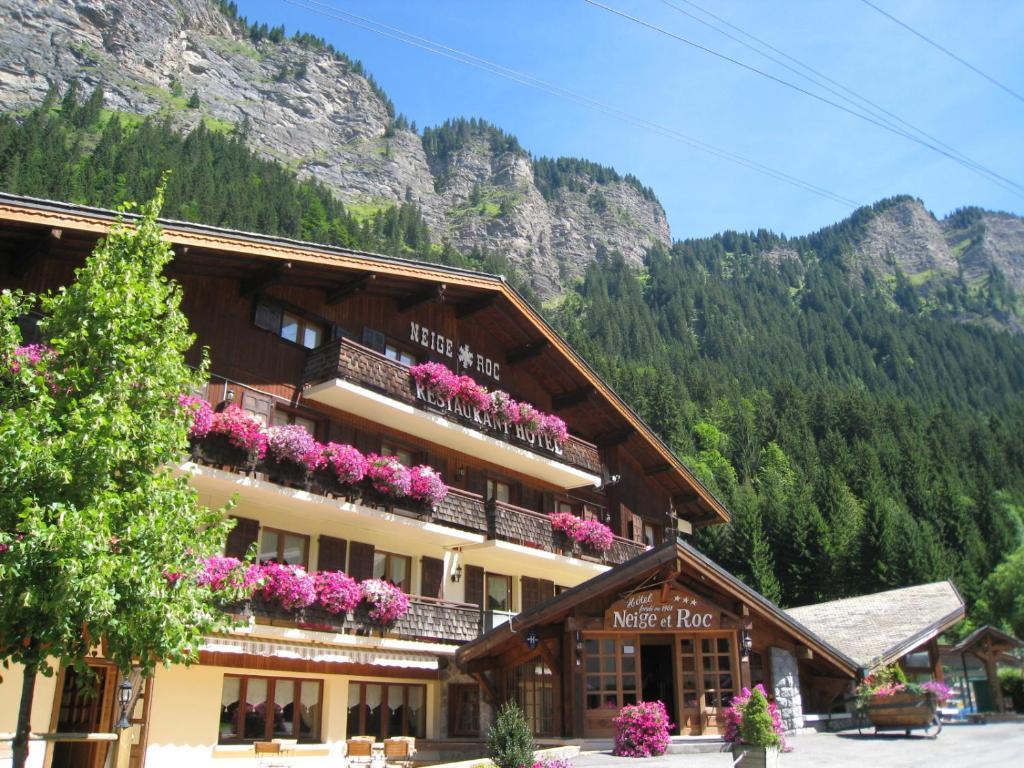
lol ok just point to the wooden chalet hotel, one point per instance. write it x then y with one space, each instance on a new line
502 605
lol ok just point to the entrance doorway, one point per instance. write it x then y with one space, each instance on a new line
658 684
85 707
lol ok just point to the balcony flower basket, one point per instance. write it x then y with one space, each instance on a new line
291 456
591 536
753 726
288 587
383 604
340 471
426 486
387 480
235 439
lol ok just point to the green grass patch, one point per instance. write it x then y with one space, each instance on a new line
227 45
216 125
919 279
367 210
164 96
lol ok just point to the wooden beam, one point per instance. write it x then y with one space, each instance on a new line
20 263
434 293
481 678
526 352
657 469
264 279
803 652
343 291
571 398
468 308
549 659
614 438
684 499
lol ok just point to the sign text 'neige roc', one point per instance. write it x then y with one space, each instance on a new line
679 610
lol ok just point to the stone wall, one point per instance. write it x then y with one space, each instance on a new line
786 688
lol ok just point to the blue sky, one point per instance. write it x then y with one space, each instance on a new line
593 53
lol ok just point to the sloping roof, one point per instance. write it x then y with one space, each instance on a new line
634 570
877 629
255 248
996 636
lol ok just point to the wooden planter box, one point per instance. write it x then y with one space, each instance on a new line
903 711
748 756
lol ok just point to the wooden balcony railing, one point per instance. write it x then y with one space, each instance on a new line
350 361
427 619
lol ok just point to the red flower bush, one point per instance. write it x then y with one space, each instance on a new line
336 592
287 585
641 730
241 430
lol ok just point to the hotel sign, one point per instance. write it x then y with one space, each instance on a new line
443 345
655 611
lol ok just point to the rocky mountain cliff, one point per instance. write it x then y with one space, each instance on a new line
316 112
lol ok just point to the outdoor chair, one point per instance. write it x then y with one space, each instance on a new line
359 751
398 751
269 754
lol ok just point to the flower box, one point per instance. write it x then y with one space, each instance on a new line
750 756
285 472
217 450
901 710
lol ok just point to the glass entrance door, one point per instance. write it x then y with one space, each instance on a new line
708 680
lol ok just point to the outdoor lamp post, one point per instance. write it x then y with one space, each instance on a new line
748 644
124 698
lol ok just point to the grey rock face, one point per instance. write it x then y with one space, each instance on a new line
316 115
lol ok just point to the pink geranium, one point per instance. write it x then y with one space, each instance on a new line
202 414
287 585
385 602
553 427
347 463
293 443
590 533
437 378
642 730
336 592
503 406
426 485
472 394
242 430
388 475
527 417
229 573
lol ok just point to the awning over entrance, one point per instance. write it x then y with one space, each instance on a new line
878 629
669 625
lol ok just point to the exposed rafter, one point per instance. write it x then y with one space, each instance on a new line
264 279
527 351
616 437
433 294
468 308
657 469
571 398
343 291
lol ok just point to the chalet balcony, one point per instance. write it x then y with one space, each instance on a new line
352 378
428 619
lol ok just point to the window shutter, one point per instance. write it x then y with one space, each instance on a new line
530 499
332 554
374 339
474 576
366 442
638 529
260 406
475 481
360 564
546 590
548 502
431 576
245 533
531 592
267 317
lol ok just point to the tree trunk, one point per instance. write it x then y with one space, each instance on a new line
20 744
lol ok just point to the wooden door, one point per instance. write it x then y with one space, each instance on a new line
708 680
85 707
464 710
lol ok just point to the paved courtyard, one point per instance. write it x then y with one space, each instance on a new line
958 746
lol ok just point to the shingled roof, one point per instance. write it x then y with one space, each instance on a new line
877 629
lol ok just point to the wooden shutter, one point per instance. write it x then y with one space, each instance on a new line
366 442
374 339
332 554
530 592
360 564
530 499
474 576
545 589
638 529
245 533
475 481
267 316
431 576
259 406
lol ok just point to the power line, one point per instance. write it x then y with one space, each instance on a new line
985 173
871 107
944 50
328 11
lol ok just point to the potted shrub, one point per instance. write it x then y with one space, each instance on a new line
509 740
754 727
890 702
641 730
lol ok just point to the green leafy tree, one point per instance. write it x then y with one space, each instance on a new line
509 740
1001 600
99 536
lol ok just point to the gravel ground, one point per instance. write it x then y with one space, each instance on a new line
958 746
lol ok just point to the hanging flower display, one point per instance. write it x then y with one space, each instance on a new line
347 463
385 602
202 415
292 443
437 378
336 592
426 485
221 573
589 533
241 430
287 585
387 475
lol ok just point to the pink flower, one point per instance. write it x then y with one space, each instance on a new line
938 689
641 730
242 430
229 573
588 532
437 378
426 485
336 592
527 417
503 406
734 717
292 443
202 414
388 475
287 585
553 427
472 394
347 463
386 602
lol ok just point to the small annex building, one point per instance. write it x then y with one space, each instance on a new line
670 625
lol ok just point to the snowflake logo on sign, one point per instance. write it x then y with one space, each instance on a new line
465 356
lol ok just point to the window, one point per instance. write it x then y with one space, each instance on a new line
532 686
301 331
564 506
393 568
464 717
652 534
260 708
383 710
284 418
610 672
499 491
284 547
404 455
499 592
396 353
